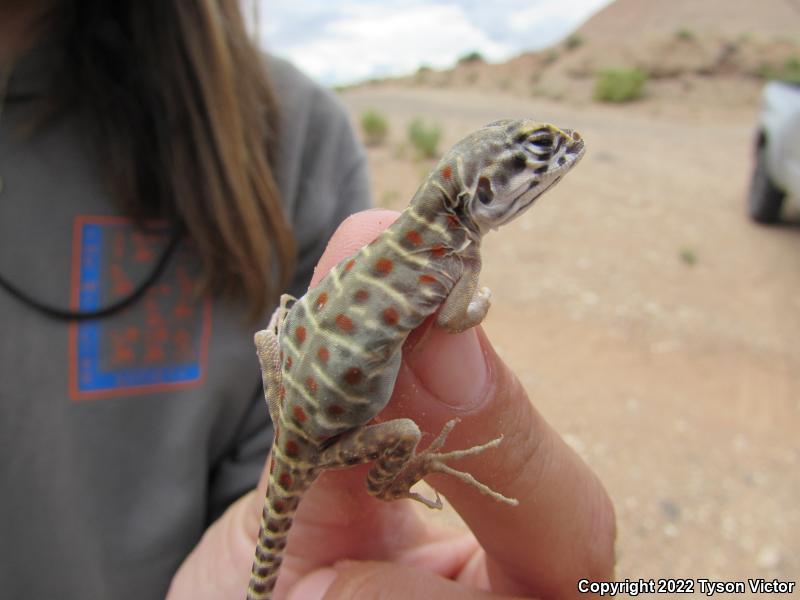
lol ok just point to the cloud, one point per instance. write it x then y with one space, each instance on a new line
351 40
556 16
367 41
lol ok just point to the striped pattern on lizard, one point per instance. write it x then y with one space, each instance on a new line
330 359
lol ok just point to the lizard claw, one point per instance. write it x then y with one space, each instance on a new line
434 504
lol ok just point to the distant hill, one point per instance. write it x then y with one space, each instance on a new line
689 37
627 19
709 50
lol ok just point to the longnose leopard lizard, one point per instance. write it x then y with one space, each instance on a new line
329 360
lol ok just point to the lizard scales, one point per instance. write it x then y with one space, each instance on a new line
330 359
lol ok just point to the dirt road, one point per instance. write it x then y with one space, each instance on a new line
652 324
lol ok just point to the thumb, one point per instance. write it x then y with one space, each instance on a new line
375 580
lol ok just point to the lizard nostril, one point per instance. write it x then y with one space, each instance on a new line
576 144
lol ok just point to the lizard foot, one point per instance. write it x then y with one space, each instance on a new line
462 317
479 305
432 461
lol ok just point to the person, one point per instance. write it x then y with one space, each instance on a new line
157 178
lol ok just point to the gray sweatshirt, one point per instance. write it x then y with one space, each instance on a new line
123 438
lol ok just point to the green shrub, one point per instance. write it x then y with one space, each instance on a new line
471 57
685 34
573 41
791 69
425 138
688 256
619 85
375 127
790 72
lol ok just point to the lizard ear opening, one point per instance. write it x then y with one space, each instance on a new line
484 192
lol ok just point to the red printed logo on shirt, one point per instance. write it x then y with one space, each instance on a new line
160 341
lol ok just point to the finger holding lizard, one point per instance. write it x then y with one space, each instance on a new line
563 528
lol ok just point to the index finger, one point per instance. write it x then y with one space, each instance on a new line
563 529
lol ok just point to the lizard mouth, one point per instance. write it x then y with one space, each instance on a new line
526 197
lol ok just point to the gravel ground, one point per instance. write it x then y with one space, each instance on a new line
661 328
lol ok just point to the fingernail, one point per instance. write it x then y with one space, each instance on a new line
452 366
313 586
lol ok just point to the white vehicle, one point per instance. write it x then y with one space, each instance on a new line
776 173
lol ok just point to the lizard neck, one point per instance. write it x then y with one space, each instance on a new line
435 221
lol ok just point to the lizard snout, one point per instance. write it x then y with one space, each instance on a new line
575 141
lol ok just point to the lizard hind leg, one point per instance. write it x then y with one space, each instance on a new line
398 466
435 461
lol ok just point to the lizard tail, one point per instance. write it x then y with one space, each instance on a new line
286 486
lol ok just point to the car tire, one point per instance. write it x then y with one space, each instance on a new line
764 200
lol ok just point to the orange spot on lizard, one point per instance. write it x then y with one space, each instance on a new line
292 449
344 323
353 376
390 316
323 354
311 384
321 300
414 237
384 266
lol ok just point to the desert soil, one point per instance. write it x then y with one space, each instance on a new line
652 324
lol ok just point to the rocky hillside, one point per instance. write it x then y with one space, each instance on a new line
732 18
701 50
688 37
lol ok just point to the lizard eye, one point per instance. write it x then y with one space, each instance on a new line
541 142
484 192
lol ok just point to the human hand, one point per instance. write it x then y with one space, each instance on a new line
346 544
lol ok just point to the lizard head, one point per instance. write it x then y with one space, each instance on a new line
506 165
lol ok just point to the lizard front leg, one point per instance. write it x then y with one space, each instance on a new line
268 350
466 305
398 466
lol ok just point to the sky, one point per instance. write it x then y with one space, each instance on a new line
345 41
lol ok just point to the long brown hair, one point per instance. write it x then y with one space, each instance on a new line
183 114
